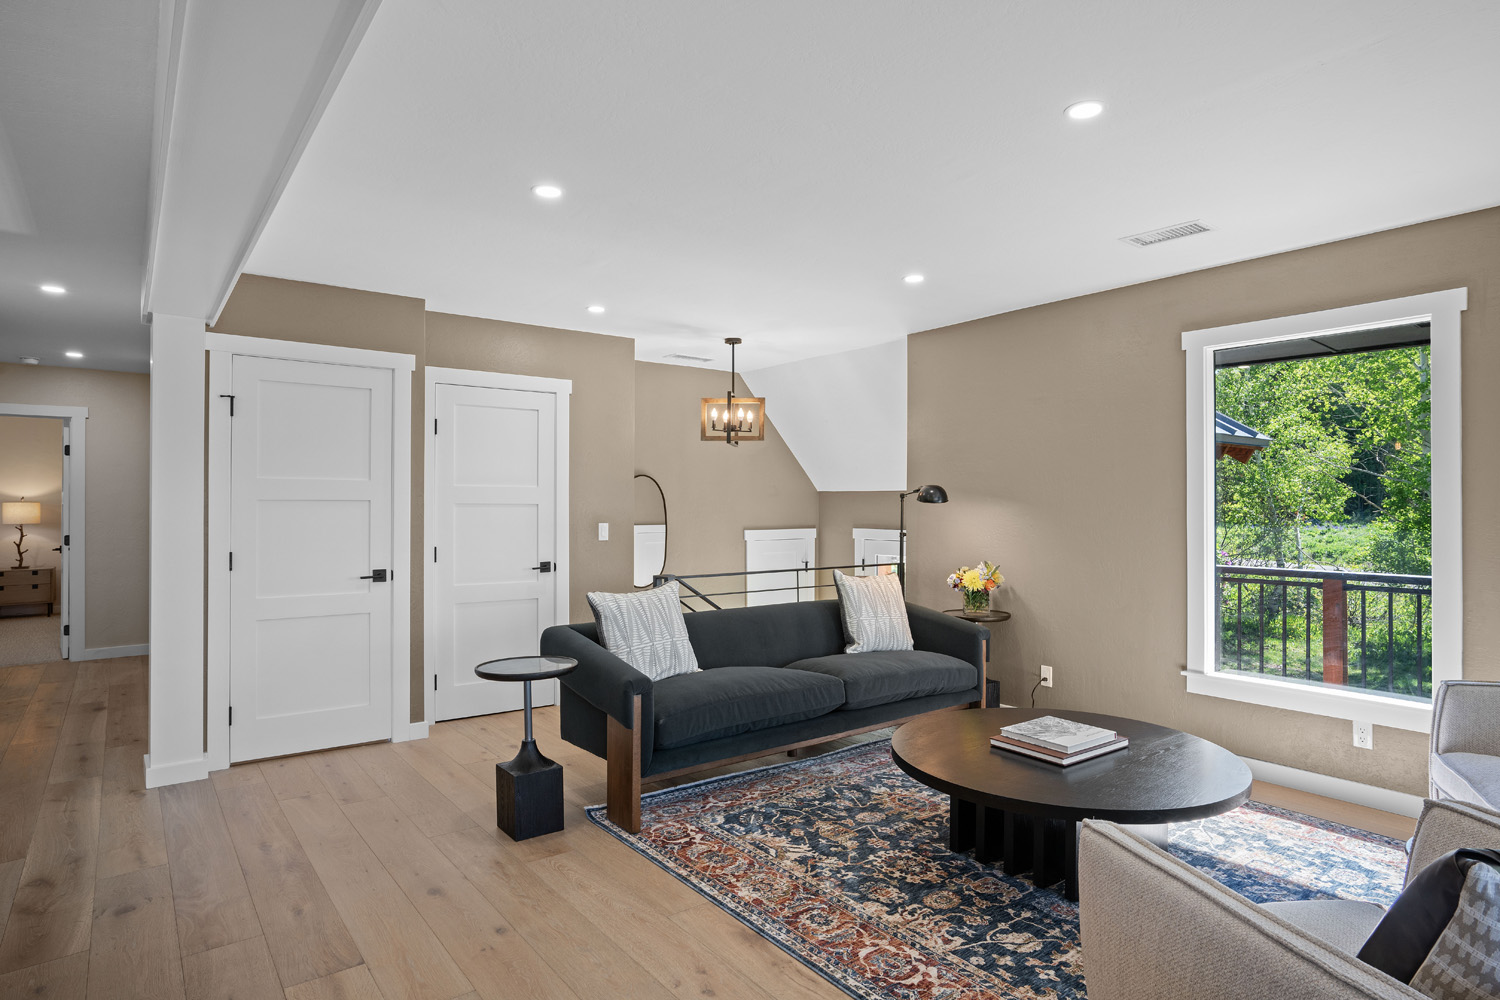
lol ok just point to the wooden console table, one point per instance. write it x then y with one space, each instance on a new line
27 586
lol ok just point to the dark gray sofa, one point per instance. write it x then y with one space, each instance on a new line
773 678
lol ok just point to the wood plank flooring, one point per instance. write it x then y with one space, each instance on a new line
370 873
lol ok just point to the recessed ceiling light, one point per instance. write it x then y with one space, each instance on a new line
31 361
73 354
54 289
915 279
1084 110
548 191
596 309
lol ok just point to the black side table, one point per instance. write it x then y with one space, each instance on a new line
528 788
991 688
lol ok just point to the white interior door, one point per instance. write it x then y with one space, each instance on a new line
876 550
495 567
780 548
61 583
310 523
650 552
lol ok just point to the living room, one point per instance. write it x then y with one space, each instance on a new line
967 248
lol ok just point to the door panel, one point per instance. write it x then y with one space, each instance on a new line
495 506
769 549
876 550
311 509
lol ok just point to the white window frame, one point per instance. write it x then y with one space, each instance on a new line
1443 310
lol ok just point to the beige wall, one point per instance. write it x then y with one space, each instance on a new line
714 491
31 469
839 513
1074 482
117 480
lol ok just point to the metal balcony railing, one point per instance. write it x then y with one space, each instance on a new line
803 583
1371 630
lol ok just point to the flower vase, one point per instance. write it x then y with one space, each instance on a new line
976 602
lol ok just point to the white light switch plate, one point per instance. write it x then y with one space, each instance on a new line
603 531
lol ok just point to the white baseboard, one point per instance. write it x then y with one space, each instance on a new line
174 774
1342 789
418 731
111 652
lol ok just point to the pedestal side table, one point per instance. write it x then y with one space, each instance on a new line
529 787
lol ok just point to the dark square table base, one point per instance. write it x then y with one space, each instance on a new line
529 794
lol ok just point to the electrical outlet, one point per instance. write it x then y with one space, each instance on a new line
603 531
1046 676
1364 735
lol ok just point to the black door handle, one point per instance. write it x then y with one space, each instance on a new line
378 575
545 567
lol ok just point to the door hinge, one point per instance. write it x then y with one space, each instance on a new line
434 425
231 715
434 553
225 395
67 539
67 449
231 562
66 629
434 682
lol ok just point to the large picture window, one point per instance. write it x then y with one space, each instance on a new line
1324 476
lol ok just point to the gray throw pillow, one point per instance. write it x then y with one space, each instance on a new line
646 630
1465 962
874 613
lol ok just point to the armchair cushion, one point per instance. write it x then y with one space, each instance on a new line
726 701
1417 919
882 678
1344 923
1468 777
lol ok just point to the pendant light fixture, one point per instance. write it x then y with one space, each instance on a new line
734 418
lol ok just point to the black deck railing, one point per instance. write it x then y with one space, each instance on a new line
1371 630
798 586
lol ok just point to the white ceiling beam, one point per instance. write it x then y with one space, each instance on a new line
241 87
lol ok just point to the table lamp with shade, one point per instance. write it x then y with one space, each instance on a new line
20 512
924 494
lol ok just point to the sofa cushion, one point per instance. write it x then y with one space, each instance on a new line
646 630
1468 777
725 701
874 613
882 678
1344 923
771 635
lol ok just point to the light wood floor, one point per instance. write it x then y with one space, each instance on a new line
366 873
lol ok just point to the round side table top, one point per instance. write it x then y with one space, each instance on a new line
1164 776
525 668
980 616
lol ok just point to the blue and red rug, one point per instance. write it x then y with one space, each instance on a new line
842 860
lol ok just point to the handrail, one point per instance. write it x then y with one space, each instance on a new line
1321 574
707 597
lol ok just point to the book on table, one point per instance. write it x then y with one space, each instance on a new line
1115 742
1061 735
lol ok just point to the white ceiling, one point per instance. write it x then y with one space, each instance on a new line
772 169
76 99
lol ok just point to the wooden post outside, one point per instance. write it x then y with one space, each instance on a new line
1335 632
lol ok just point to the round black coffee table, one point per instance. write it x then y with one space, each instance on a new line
529 787
1025 813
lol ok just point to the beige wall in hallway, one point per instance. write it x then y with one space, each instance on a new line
118 450
1090 532
714 491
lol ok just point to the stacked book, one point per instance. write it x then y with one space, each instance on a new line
1058 741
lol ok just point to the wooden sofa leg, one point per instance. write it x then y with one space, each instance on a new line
623 791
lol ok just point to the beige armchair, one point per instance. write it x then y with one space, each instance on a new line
1465 760
1157 929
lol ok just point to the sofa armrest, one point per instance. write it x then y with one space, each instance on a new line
936 632
602 678
1463 718
1448 825
1154 928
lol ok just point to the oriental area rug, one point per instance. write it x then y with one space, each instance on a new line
842 861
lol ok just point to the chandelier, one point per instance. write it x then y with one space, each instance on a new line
733 419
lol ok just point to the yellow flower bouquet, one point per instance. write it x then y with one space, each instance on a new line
976 582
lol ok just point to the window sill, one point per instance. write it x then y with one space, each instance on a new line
1314 700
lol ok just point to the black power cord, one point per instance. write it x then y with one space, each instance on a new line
1033 691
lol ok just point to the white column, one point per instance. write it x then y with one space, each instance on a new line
177 524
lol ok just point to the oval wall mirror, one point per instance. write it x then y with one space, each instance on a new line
650 529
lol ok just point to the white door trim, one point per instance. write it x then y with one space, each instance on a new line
563 389
75 419
222 348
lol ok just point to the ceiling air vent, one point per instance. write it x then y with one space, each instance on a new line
689 357
1156 236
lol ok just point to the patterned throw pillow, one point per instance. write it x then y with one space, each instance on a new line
874 613
1465 962
646 630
